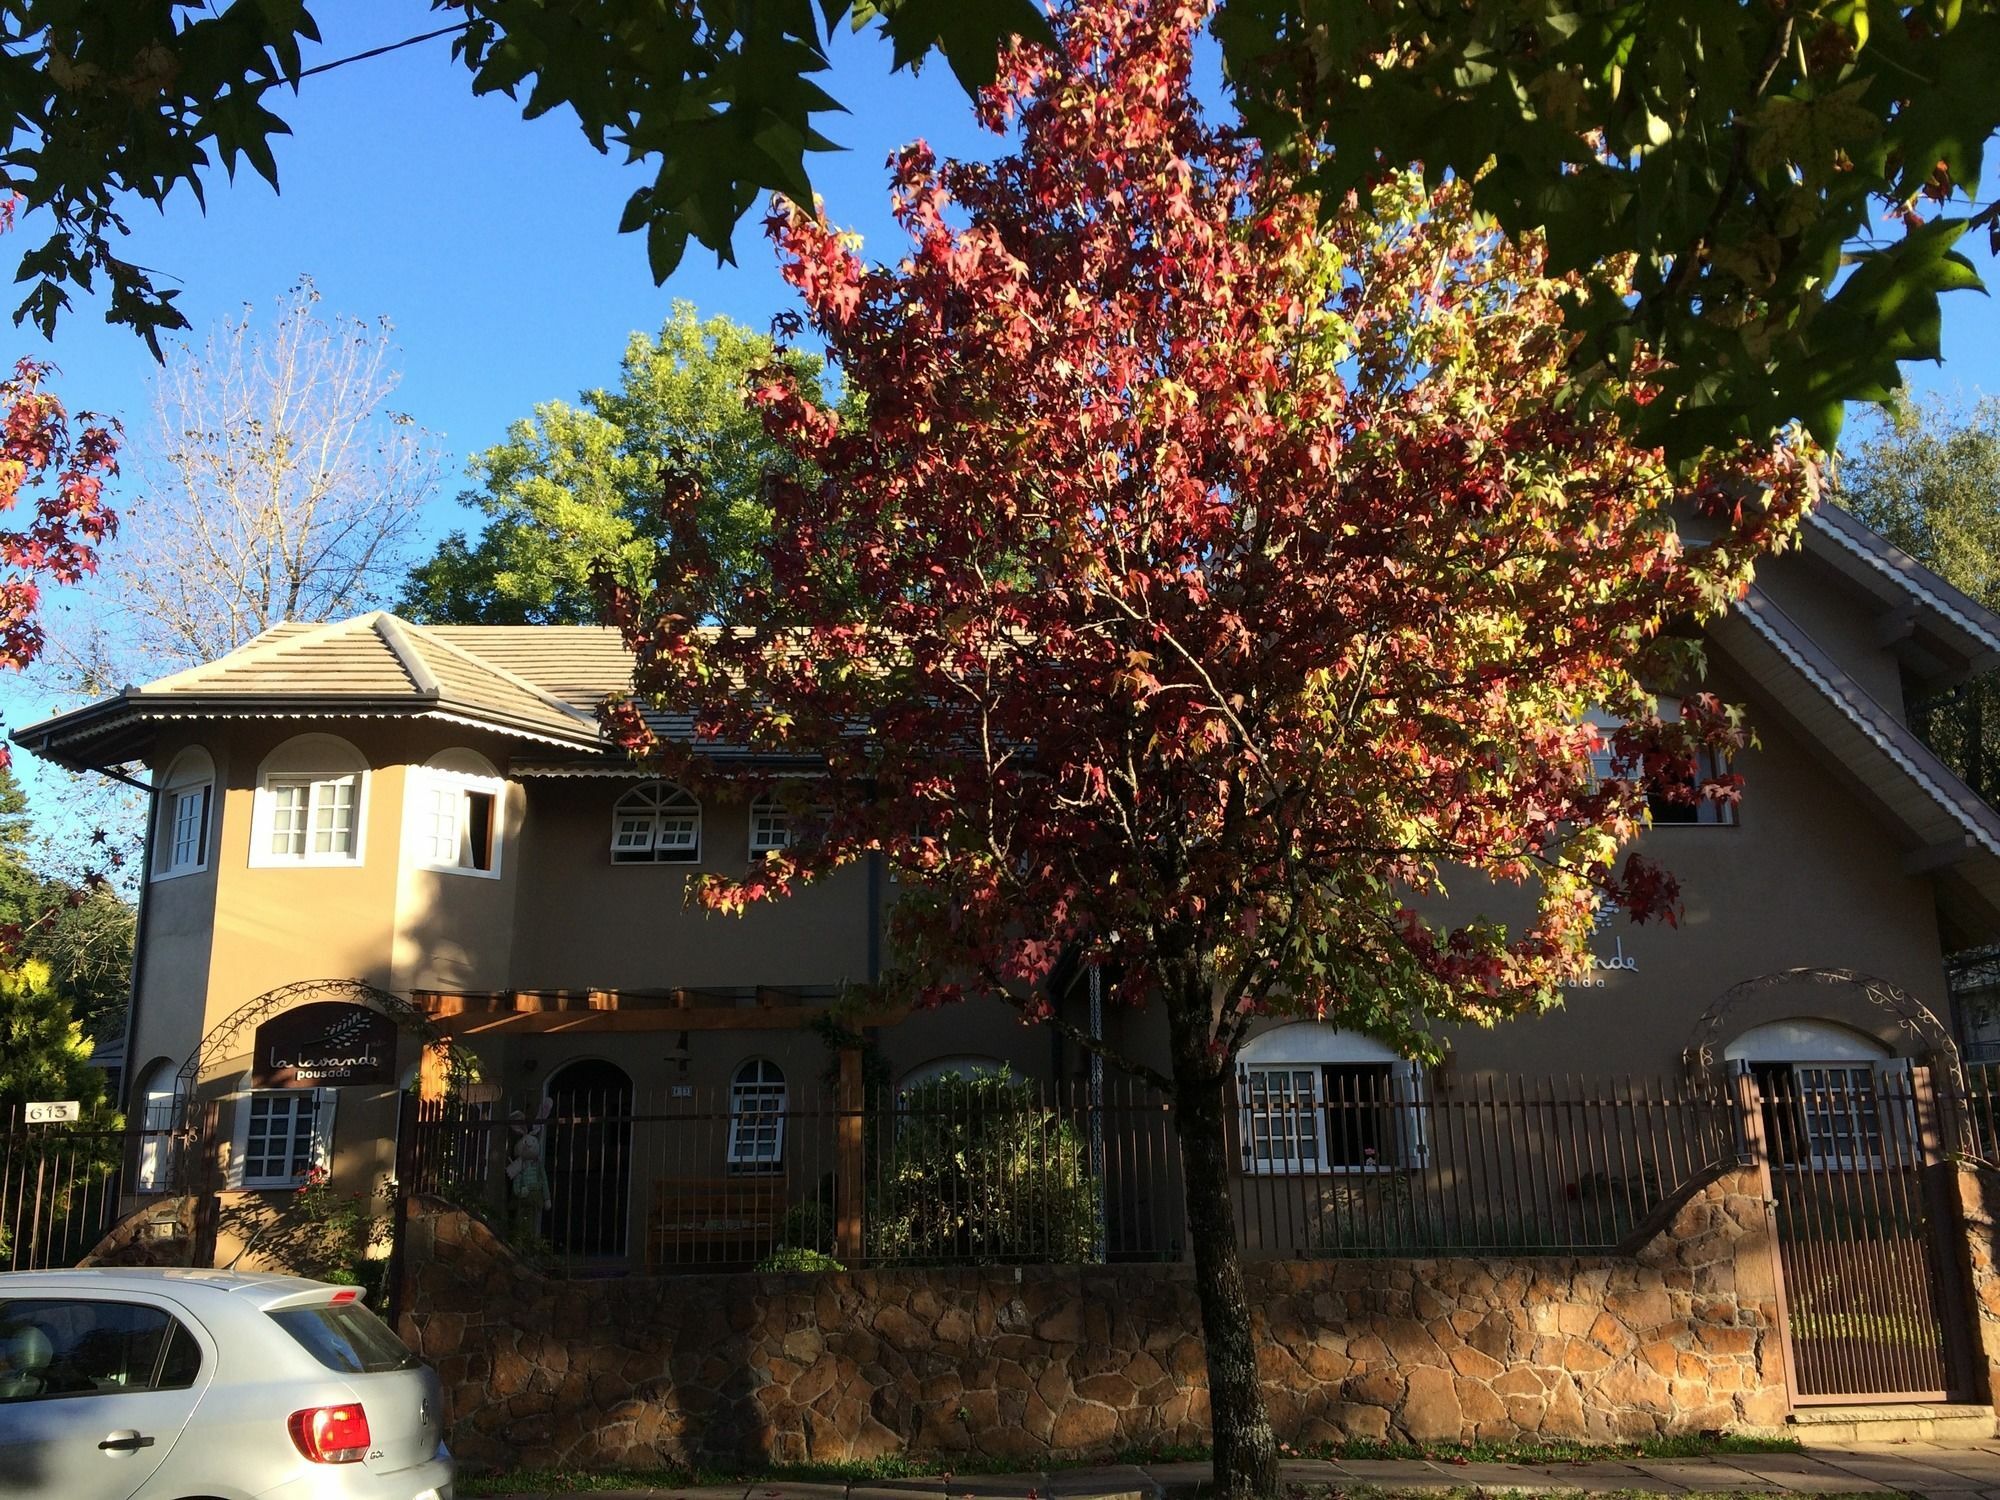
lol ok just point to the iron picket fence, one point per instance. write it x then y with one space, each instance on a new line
992 1170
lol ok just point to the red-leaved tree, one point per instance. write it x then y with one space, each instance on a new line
1206 589
51 496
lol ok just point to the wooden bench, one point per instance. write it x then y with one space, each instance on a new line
708 1215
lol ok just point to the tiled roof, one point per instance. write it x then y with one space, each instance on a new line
372 665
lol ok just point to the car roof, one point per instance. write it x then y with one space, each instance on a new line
257 1288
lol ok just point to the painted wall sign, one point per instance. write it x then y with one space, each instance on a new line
327 1044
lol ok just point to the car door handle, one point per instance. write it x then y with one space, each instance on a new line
125 1442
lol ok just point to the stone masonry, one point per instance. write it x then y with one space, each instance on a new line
1087 1361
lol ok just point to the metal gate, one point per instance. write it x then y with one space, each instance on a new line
1871 1295
64 1187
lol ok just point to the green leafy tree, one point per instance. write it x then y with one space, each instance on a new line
578 487
79 931
1928 478
1741 154
44 1051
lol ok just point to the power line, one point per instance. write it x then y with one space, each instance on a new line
382 51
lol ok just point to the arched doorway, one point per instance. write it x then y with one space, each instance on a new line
589 1157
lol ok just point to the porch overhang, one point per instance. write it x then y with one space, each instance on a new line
496 1013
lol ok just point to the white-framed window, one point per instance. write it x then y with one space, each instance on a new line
158 1101
770 827
757 1117
656 823
186 800
1832 1097
1665 811
1313 1099
455 803
280 1136
311 804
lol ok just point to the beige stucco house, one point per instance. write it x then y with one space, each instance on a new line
430 816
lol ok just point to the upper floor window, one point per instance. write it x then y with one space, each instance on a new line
1665 810
187 795
311 804
770 827
455 804
656 823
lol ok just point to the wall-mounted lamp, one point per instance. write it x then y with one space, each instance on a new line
679 1052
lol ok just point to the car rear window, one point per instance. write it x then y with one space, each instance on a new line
347 1337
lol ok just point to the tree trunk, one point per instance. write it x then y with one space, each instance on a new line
1246 1450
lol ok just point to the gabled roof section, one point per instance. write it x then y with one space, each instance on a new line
1947 830
1940 635
370 666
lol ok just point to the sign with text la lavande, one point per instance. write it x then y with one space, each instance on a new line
326 1044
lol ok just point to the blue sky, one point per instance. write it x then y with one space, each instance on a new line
491 242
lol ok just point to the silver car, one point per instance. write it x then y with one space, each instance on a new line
170 1385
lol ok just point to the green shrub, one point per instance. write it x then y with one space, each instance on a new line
978 1171
789 1258
808 1224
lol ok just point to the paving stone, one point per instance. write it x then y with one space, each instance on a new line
995 1486
1800 1475
1393 1470
1180 1481
1695 1475
1919 1476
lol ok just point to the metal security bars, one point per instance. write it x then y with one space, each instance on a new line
991 1169
1869 1266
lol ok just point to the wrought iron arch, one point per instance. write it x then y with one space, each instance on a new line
222 1036
1910 1015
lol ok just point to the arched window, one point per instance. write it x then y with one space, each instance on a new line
757 1117
1312 1098
1823 1087
158 1102
656 823
311 803
455 804
186 797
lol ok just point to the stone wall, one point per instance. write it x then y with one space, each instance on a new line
1080 1361
1979 1206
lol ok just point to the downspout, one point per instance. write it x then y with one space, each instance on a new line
143 908
874 915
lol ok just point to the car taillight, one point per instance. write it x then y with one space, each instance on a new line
331 1434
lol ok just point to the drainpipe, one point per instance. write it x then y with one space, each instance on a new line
142 908
1097 1101
874 915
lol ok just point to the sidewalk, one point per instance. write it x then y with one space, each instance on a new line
1961 1471
1929 1469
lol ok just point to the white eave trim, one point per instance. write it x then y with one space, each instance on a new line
1907 582
152 713
1749 614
